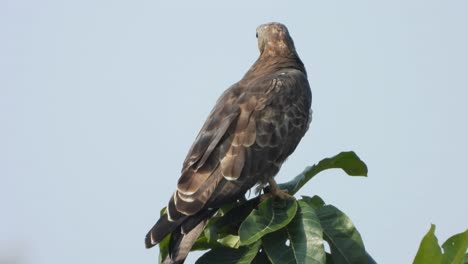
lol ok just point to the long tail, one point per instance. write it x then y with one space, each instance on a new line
180 244
161 229
185 232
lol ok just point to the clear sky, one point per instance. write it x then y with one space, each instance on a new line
100 101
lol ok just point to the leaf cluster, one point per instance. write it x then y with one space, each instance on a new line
453 250
269 230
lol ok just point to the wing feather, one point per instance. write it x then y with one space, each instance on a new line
253 125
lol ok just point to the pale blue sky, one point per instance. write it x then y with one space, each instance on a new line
100 101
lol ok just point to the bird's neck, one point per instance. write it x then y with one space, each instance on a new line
271 64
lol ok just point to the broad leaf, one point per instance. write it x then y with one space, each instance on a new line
345 241
347 161
316 202
370 260
455 248
229 223
203 243
270 216
429 250
300 241
261 258
231 241
242 255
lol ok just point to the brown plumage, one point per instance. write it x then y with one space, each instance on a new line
255 125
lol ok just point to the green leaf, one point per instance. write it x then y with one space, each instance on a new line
347 161
231 241
370 260
455 248
261 258
316 202
242 255
304 237
465 260
229 223
345 241
202 243
429 250
270 216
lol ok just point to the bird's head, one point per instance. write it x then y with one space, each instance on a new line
274 40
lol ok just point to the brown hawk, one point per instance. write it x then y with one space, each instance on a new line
255 125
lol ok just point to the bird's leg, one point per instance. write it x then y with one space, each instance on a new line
277 192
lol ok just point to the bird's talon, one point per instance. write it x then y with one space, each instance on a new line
282 194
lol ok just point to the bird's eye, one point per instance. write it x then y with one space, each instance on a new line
256 35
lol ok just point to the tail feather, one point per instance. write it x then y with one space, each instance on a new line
185 232
181 244
160 230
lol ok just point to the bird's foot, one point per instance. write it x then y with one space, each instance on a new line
282 194
277 192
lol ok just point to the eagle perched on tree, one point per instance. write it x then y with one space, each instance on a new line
254 126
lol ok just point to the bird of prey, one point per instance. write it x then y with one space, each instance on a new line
254 126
